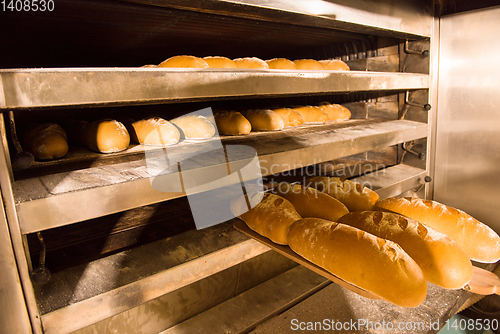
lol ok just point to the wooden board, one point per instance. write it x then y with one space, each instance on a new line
286 251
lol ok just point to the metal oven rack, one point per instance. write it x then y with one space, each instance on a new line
46 202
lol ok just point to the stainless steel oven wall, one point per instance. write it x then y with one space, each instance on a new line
468 121
14 315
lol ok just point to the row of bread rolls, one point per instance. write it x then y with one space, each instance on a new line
49 141
240 123
389 247
252 63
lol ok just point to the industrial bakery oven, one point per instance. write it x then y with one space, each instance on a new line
90 246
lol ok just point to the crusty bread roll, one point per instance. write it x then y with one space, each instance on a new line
150 66
335 112
264 120
195 127
478 241
46 141
219 62
312 114
290 116
371 263
354 196
184 62
308 64
251 62
311 203
334 65
281 64
271 217
106 136
232 123
155 131
442 261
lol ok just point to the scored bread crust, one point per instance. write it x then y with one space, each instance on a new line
336 112
442 261
335 65
311 203
354 196
251 62
232 123
312 114
155 131
184 62
106 136
271 217
264 120
478 240
195 127
281 64
219 62
290 116
371 263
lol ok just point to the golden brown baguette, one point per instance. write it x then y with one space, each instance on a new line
354 196
219 62
478 241
103 136
442 261
270 217
335 65
308 64
371 263
335 112
312 114
290 116
184 62
251 62
281 64
155 131
264 120
232 123
196 127
311 203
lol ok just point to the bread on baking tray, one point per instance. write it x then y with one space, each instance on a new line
354 196
335 112
232 123
311 203
281 64
219 62
441 259
155 131
477 240
290 116
371 263
308 64
264 119
195 127
312 114
46 141
270 215
184 62
335 65
103 136
251 62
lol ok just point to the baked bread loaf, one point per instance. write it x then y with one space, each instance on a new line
354 196
184 62
251 62
442 261
155 131
371 263
232 123
195 127
311 203
312 114
264 120
281 64
335 112
308 64
150 66
290 116
477 240
270 217
46 141
334 65
106 136
219 62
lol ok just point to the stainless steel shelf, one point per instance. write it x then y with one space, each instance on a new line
60 87
60 199
394 180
